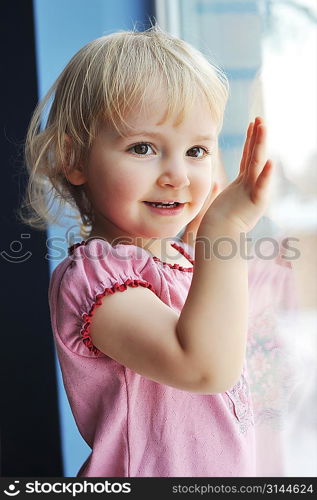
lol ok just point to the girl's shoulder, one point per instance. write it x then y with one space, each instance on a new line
97 265
96 258
98 253
92 270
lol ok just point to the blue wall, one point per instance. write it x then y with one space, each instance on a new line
62 27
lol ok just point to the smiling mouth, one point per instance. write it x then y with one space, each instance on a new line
164 205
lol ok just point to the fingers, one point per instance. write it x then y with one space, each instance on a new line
257 151
249 144
246 149
257 123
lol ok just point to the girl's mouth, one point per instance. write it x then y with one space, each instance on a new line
165 208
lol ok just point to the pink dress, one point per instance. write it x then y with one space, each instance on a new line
136 427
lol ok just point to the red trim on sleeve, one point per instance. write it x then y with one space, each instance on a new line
85 332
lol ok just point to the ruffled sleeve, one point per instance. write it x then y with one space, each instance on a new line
93 270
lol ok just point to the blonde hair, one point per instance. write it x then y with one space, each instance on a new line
100 83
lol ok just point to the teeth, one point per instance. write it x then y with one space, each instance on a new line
165 205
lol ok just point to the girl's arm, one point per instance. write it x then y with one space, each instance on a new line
202 349
217 304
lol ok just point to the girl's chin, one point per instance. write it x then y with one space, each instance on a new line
165 232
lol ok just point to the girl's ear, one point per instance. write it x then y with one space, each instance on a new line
74 173
76 176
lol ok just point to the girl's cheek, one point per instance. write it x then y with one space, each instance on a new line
203 187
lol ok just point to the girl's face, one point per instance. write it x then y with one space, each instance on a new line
154 163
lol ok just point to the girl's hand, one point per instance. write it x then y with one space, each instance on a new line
243 202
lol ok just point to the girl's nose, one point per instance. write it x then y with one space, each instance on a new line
175 175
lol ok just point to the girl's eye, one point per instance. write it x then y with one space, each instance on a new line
195 149
141 148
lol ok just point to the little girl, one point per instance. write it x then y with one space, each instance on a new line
151 343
